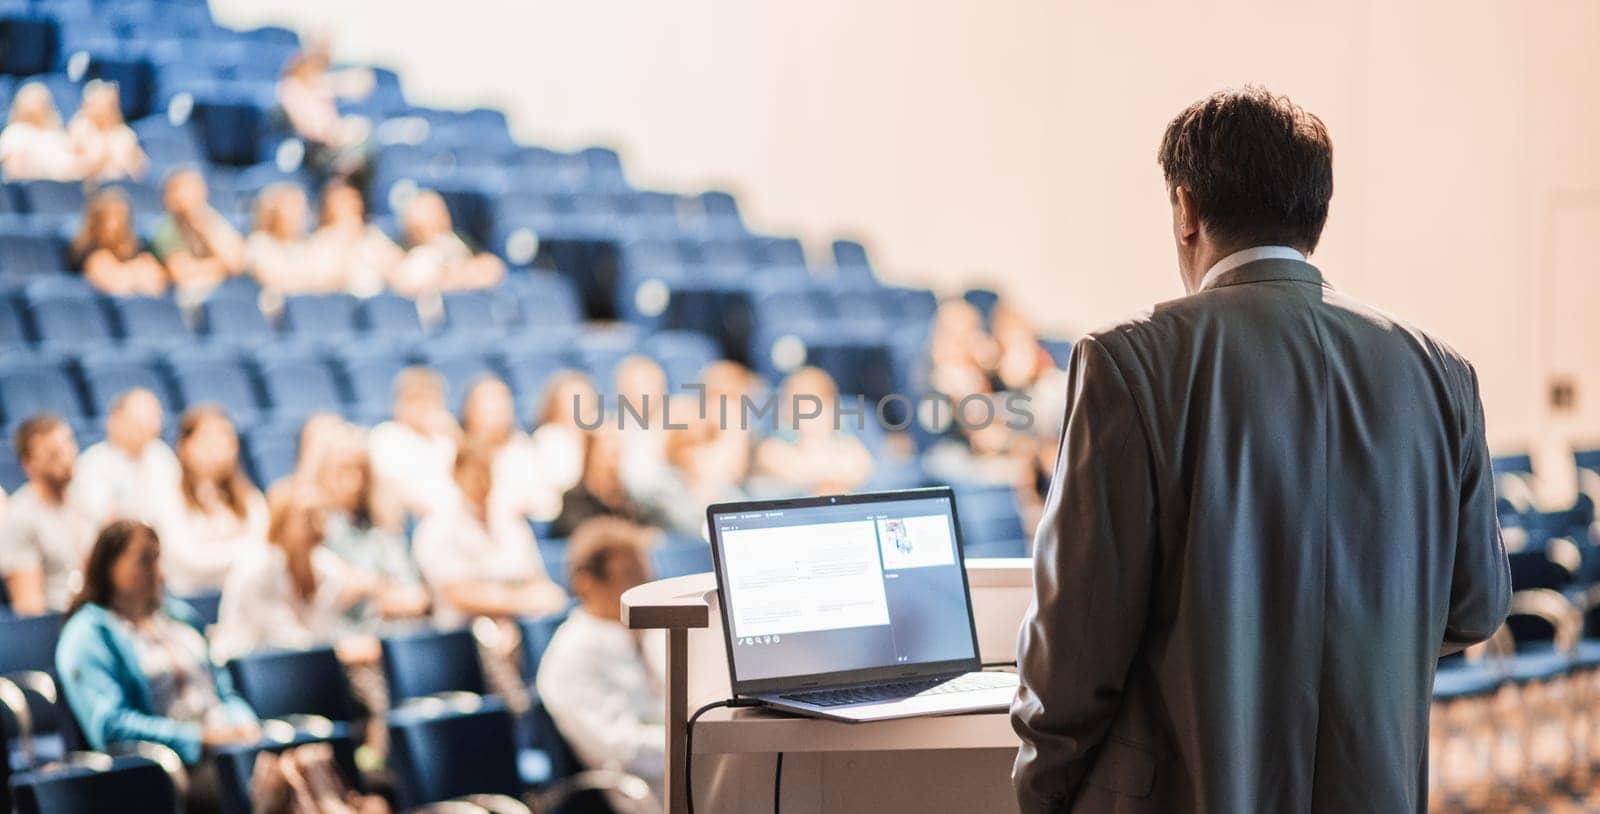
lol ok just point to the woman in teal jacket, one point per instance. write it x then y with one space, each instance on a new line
135 666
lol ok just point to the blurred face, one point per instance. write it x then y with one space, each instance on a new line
624 569
51 455
570 391
302 528
342 205
136 423
638 377
427 217
186 193
344 476
136 575
605 457
475 479
489 411
34 105
102 107
212 450
417 406
289 219
112 220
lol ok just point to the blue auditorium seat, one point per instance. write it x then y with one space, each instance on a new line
108 374
677 557
598 350
460 365
324 317
11 475
128 785
28 44
29 388
150 321
536 635
480 313
270 452
58 287
218 381
546 301
430 662
1060 351
984 300
70 323
236 765
851 262
721 213
991 525
682 354
234 124
206 606
278 683
438 753
368 372
299 386
50 197
13 330
235 320
528 367
26 255
390 315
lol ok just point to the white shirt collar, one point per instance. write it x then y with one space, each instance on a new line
1249 255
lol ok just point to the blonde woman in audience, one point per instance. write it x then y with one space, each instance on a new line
43 535
366 529
108 253
413 453
294 593
488 419
308 94
480 562
223 516
132 474
107 146
279 251
199 247
363 254
558 440
437 259
811 454
34 146
317 433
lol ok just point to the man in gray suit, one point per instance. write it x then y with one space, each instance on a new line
1272 511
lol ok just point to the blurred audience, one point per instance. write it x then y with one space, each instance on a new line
1021 360
317 433
366 529
363 255
132 474
602 683
437 259
600 492
558 440
308 93
478 562
294 593
199 247
44 537
109 254
488 419
809 451
279 251
413 453
961 353
222 517
106 146
135 666
34 146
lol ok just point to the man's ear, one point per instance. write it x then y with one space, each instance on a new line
1186 218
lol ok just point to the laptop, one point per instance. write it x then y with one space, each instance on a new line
851 607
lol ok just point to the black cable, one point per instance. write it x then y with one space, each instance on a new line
688 742
777 784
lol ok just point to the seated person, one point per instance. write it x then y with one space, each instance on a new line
366 529
478 562
345 241
132 474
108 147
34 146
294 593
1022 359
601 491
279 251
437 259
810 454
602 683
108 253
199 247
135 666
413 453
488 418
558 439
43 536
222 516
308 94
316 433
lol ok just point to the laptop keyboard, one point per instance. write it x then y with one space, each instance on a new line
904 689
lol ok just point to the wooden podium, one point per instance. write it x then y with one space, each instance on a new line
953 763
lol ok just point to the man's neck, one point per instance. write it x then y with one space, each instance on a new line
47 493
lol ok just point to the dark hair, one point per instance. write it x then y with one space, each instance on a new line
1258 167
36 425
235 488
595 540
114 539
92 235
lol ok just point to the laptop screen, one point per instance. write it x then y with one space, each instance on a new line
867 583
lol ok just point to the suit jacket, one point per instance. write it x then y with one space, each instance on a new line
1272 511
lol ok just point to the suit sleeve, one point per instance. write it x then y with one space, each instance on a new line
1094 557
1480 589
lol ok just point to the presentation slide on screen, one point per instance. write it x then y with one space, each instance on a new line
916 542
792 579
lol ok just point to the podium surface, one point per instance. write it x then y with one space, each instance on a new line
949 763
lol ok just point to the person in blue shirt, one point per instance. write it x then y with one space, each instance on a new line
135 666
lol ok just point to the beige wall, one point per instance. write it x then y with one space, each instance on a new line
1012 141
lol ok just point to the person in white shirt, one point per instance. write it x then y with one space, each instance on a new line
108 146
362 253
488 417
412 455
132 474
366 528
222 516
558 439
34 145
294 593
44 538
437 259
479 562
279 252
602 683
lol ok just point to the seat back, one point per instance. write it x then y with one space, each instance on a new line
277 683
430 662
129 785
236 765
438 753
